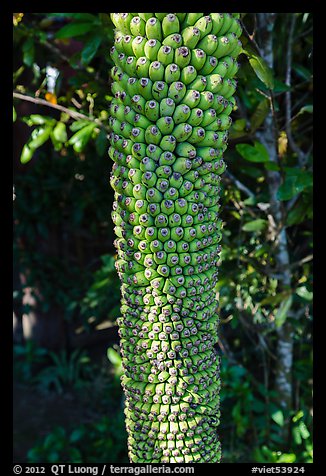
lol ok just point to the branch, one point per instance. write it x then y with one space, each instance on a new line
239 184
251 36
302 157
70 112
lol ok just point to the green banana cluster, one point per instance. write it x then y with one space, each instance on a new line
173 87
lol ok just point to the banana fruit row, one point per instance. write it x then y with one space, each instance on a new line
173 92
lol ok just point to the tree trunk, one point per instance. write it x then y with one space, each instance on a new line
283 370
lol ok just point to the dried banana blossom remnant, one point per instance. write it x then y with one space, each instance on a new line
173 93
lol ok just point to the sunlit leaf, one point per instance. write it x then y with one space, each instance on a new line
77 125
39 136
26 154
282 143
255 153
17 18
304 293
287 458
278 417
60 132
260 67
305 433
80 139
38 120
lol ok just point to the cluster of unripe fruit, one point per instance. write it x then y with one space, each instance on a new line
173 92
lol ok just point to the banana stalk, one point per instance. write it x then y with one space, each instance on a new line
173 87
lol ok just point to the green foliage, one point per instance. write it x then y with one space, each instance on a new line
65 371
260 67
256 420
27 357
255 153
98 442
68 194
116 361
102 297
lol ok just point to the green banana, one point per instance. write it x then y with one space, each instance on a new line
173 92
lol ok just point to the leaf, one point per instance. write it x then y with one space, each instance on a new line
250 201
296 181
259 115
255 225
281 315
26 154
304 430
271 166
255 153
287 190
115 360
287 458
304 180
278 417
304 293
298 416
77 125
260 67
298 214
113 357
38 120
81 138
280 87
238 129
275 299
282 143
28 52
308 108
297 435
14 114
60 132
90 49
39 137
74 29
101 143
77 434
302 71
239 124
56 144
